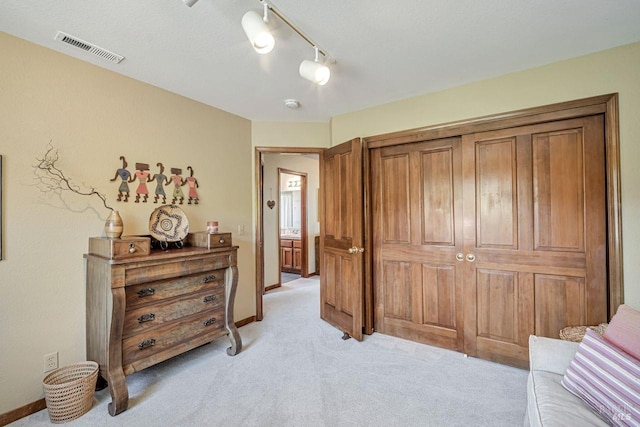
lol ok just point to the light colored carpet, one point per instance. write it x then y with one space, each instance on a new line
295 370
288 277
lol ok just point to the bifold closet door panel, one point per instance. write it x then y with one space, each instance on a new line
497 210
416 236
534 236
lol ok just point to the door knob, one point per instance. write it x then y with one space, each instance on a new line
471 257
460 256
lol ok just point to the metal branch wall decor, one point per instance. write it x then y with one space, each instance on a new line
50 178
144 176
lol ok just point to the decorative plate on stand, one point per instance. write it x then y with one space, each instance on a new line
168 224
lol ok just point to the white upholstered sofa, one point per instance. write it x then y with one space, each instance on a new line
548 402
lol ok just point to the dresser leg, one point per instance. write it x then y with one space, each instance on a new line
119 400
236 341
115 374
119 393
101 383
231 283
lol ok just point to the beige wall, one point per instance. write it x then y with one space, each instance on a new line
286 134
94 116
614 70
271 243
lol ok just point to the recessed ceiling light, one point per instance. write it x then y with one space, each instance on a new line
291 103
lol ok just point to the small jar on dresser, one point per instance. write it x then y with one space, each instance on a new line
145 306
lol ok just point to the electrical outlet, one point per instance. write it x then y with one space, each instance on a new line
50 361
240 229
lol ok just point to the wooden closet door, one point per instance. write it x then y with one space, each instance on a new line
417 223
534 235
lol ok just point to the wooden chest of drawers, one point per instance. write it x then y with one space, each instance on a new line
143 310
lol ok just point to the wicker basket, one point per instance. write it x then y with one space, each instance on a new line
69 391
576 333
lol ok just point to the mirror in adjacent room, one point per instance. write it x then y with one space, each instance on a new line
292 222
290 213
290 205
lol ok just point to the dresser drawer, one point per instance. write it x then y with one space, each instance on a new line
156 291
154 315
154 341
210 241
152 272
125 247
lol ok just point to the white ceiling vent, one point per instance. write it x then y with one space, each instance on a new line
89 47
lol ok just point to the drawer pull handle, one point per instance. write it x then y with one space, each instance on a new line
132 248
146 292
146 318
209 278
209 298
210 321
221 241
147 343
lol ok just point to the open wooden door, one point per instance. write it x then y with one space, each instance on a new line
341 238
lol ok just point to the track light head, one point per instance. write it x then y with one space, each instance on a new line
315 72
257 32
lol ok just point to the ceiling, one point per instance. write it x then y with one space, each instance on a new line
384 50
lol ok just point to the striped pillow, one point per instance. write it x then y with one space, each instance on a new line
607 378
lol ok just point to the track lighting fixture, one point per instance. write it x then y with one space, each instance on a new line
262 41
257 32
314 71
190 2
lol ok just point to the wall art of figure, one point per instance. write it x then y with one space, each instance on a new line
142 175
124 174
176 178
161 179
193 184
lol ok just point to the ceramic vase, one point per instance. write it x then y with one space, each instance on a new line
113 226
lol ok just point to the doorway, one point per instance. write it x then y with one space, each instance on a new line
303 165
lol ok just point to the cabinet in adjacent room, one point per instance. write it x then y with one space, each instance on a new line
291 255
297 256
